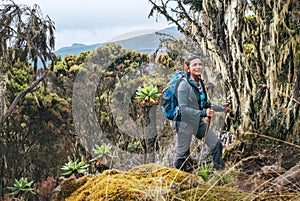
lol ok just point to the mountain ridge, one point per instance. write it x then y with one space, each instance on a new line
144 43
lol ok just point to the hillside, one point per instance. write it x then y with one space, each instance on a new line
146 43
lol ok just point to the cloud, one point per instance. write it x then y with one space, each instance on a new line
100 13
94 21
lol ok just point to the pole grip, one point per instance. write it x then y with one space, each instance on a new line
207 125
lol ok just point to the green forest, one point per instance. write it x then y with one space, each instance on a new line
90 126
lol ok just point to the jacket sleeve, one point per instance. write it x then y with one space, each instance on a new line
218 108
188 102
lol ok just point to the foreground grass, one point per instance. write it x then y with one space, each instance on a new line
146 182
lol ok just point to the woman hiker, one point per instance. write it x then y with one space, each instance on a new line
193 107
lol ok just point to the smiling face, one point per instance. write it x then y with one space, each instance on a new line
195 68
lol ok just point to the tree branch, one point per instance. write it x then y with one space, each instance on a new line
21 95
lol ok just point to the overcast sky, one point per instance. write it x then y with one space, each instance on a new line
96 21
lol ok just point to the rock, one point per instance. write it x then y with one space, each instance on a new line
290 179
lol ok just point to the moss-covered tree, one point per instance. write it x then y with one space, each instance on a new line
255 45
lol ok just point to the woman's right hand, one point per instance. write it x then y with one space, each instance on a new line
210 112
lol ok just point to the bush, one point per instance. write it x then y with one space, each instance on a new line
21 187
75 167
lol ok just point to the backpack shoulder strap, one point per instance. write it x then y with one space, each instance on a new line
177 84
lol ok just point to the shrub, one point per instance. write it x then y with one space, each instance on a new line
21 187
101 151
103 159
75 167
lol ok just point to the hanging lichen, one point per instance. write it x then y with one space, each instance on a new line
254 45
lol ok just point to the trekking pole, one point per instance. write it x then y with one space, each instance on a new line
203 143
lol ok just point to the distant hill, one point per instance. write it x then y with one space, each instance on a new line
146 43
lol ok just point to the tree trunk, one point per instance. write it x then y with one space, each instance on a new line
255 46
262 68
149 138
2 100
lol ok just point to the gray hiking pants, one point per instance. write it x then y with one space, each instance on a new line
184 133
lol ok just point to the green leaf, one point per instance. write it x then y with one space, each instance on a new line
67 173
11 188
